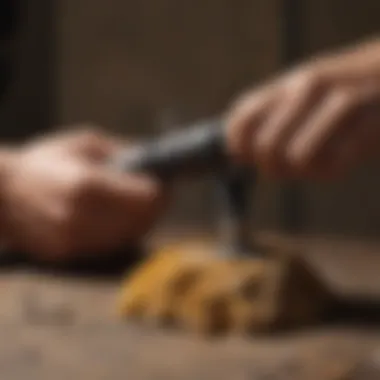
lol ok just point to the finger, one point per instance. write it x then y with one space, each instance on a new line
126 190
88 142
94 146
316 133
300 92
244 119
343 116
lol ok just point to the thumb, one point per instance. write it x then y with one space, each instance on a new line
131 190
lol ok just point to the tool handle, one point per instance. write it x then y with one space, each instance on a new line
197 148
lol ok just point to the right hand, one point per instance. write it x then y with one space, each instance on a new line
59 199
319 120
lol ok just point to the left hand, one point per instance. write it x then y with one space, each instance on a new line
60 199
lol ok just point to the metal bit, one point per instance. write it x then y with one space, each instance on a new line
235 189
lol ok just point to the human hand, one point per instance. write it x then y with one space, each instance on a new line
59 198
316 121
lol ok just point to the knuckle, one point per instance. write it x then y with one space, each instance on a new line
88 132
237 120
241 101
247 105
79 134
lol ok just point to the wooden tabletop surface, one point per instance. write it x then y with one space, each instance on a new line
65 328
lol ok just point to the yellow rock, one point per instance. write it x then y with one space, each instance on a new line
189 286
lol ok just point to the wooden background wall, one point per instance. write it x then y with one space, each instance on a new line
132 66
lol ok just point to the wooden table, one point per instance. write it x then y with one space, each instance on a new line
62 328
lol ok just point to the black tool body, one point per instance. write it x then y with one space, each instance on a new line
198 148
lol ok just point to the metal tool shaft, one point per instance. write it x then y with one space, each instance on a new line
235 190
189 150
